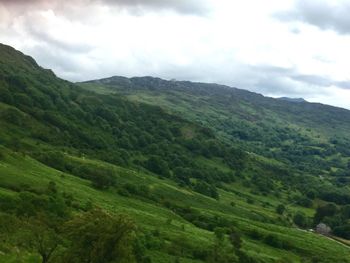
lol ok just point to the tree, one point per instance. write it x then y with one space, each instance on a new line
299 219
323 211
158 166
311 194
183 175
222 251
235 239
102 180
9 225
280 209
345 212
13 116
305 202
38 236
206 189
342 231
99 237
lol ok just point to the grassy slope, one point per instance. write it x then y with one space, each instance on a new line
17 169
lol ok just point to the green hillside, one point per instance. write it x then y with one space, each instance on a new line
295 133
119 174
309 138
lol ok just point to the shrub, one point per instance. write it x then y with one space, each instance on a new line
280 209
300 220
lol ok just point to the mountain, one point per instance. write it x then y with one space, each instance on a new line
292 99
297 134
147 170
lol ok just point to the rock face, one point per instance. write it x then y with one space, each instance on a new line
323 229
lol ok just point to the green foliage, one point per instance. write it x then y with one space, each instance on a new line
342 231
274 241
299 135
305 202
280 209
40 236
300 220
221 251
158 166
206 189
323 211
96 236
105 150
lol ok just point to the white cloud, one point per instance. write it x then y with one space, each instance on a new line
239 43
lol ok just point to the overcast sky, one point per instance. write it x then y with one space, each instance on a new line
295 48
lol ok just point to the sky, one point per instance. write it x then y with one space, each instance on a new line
294 48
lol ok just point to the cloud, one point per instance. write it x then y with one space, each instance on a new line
225 42
200 7
195 7
44 35
320 81
333 15
275 80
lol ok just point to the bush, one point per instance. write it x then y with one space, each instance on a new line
280 209
305 202
206 189
52 159
13 116
250 200
342 231
276 242
300 220
157 165
328 210
100 177
255 234
102 180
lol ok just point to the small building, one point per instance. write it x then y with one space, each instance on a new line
323 229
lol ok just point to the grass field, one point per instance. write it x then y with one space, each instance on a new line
16 169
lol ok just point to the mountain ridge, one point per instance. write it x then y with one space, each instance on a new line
116 79
293 99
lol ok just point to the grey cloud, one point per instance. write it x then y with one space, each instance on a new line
320 13
275 80
43 36
182 6
343 84
265 79
312 80
321 81
64 64
20 1
196 7
278 80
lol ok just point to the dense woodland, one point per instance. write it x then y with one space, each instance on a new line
92 133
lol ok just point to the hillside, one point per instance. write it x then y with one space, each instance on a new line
292 99
311 137
148 175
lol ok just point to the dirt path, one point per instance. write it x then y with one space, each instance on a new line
339 240
343 242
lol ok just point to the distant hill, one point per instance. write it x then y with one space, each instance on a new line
292 99
297 134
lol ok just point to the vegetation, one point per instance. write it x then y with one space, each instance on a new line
100 177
